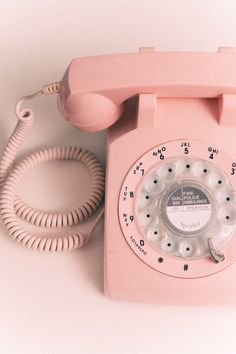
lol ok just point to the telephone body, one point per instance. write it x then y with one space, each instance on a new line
170 201
170 211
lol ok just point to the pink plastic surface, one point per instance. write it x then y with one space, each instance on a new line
184 96
94 88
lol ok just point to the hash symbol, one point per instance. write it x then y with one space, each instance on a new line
185 267
160 260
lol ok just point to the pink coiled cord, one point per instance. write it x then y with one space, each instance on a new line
12 207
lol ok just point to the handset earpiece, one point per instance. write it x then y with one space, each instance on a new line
88 111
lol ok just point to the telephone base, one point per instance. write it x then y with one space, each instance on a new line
127 275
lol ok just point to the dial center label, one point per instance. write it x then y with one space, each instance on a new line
188 208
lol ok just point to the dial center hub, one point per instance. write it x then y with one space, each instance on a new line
187 208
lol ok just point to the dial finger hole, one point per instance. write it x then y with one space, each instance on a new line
225 196
187 249
169 245
145 217
216 180
153 184
200 169
227 215
167 172
154 233
182 166
145 200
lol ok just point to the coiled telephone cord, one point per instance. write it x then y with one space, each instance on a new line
12 207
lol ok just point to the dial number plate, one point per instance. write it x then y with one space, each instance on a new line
172 199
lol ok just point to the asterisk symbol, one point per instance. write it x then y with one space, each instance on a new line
160 260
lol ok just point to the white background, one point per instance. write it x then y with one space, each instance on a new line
55 303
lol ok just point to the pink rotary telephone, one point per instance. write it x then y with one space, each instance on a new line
170 208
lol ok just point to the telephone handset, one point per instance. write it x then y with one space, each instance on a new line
170 208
